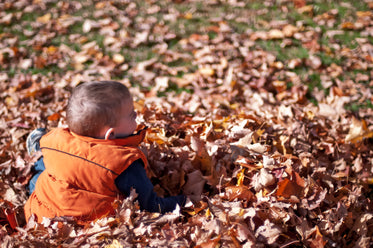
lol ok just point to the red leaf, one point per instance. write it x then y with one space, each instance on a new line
8 210
238 192
293 187
54 117
11 217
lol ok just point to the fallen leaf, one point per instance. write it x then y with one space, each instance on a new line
291 187
275 34
238 193
269 231
194 184
263 179
54 117
45 18
118 58
205 71
358 131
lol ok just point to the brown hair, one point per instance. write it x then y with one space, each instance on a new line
94 105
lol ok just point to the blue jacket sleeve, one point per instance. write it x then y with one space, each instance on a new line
135 177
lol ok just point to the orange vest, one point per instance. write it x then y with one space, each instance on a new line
79 179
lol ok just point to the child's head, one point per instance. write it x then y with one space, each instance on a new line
101 109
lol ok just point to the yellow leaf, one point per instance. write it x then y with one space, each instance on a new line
235 106
208 213
139 105
294 63
306 9
115 244
80 58
156 137
310 115
289 30
278 65
242 212
206 71
360 138
45 18
240 177
347 25
358 131
275 34
52 49
188 16
279 85
364 14
100 5
257 135
118 58
283 140
10 101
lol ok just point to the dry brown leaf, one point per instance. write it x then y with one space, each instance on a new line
194 185
238 193
263 179
269 231
358 131
291 187
222 110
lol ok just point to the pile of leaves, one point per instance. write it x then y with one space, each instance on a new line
278 159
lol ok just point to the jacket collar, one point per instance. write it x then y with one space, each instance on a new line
132 140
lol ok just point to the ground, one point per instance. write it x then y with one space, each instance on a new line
262 107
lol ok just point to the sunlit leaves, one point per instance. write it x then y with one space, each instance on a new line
245 104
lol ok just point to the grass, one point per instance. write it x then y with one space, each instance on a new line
284 54
198 17
354 107
172 87
327 59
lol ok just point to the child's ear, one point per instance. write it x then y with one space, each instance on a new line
109 134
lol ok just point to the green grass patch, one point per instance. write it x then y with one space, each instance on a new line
49 69
76 28
284 53
137 54
179 62
314 80
292 53
59 40
172 87
187 27
172 43
212 35
355 106
29 16
327 60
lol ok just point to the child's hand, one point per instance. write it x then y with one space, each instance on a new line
192 200
194 186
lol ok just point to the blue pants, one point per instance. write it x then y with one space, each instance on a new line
37 169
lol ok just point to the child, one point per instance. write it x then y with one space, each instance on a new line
95 159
